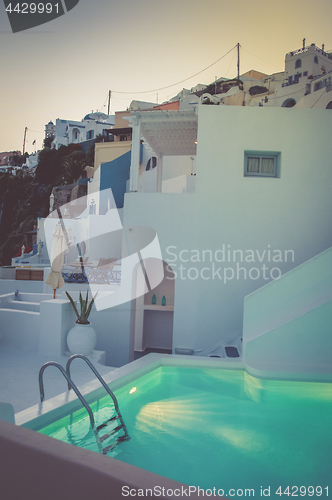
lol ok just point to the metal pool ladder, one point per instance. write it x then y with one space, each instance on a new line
96 430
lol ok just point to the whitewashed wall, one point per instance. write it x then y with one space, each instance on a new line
292 212
287 324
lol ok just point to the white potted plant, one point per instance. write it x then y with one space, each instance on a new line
82 338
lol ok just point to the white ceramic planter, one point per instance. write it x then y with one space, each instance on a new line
81 339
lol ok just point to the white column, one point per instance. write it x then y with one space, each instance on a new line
159 174
135 154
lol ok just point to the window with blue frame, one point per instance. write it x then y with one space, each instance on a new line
298 63
316 60
261 164
89 134
305 73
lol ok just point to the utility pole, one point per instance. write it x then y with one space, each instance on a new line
25 134
109 102
238 62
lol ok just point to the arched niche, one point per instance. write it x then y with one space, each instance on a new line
152 321
288 103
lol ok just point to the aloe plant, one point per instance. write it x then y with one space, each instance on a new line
82 318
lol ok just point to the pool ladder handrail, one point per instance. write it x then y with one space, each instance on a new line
115 401
70 385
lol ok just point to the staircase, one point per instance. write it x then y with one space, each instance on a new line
288 323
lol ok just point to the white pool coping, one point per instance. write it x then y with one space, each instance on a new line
42 414
118 473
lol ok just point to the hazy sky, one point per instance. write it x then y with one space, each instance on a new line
65 68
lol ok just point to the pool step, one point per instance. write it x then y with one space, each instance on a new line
106 424
116 442
113 419
111 432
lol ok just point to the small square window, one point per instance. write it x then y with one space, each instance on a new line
261 164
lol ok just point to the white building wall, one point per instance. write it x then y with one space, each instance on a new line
308 63
32 160
262 217
279 321
174 168
65 130
307 68
316 100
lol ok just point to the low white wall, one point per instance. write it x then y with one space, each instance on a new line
7 286
19 328
180 184
46 331
7 273
295 293
112 327
56 318
288 323
300 349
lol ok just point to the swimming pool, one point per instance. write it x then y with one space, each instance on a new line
219 428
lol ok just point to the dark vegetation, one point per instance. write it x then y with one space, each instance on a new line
25 196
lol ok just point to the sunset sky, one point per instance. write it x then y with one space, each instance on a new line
65 68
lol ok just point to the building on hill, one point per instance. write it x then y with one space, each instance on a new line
7 157
249 216
74 132
243 224
237 196
307 70
49 130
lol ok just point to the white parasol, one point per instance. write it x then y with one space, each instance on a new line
58 249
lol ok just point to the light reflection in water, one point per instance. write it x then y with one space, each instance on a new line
220 428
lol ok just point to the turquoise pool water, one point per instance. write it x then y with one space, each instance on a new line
222 429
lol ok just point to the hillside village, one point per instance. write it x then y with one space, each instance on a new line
305 83
222 175
201 227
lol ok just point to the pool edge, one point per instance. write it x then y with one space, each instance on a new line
36 466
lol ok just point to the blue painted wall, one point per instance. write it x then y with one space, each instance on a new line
114 174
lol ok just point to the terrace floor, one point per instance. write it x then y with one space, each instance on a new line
19 369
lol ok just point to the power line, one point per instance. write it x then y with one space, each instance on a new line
230 64
319 98
286 95
104 104
260 58
178 83
36 131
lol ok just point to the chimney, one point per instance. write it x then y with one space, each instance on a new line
323 47
303 41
